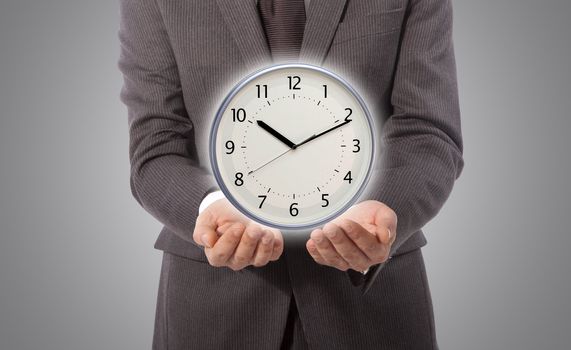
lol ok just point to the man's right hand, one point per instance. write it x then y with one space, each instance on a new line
231 239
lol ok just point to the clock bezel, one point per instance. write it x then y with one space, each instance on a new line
218 118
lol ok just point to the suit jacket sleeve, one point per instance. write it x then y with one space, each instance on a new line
421 153
166 178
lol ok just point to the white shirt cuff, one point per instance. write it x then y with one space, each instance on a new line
209 199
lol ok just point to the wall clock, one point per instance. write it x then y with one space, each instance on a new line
292 146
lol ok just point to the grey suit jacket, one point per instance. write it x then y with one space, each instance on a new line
179 58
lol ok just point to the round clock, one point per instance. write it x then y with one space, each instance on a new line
292 146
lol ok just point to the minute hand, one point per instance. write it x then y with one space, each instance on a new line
321 133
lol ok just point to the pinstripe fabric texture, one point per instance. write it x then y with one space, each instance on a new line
179 58
283 21
203 307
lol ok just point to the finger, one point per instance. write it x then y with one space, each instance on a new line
356 259
223 228
204 233
386 221
327 251
312 249
375 213
278 245
265 248
385 235
244 253
364 238
225 246
219 232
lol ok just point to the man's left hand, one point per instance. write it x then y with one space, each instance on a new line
358 239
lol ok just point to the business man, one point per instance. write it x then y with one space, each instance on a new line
228 283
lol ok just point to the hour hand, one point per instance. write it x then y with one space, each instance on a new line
276 134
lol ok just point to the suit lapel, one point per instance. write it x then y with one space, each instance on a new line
244 23
322 21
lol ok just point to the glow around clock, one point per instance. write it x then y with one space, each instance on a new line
292 146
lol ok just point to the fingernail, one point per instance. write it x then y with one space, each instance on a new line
204 239
387 239
311 244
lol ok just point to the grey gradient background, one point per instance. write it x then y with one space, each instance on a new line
77 267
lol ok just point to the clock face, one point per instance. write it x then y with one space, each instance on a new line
292 146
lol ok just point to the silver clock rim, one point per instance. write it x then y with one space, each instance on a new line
216 170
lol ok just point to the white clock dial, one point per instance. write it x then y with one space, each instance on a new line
292 146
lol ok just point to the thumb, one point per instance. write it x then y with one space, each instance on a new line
386 222
205 230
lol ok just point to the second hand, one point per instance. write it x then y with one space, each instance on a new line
268 162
